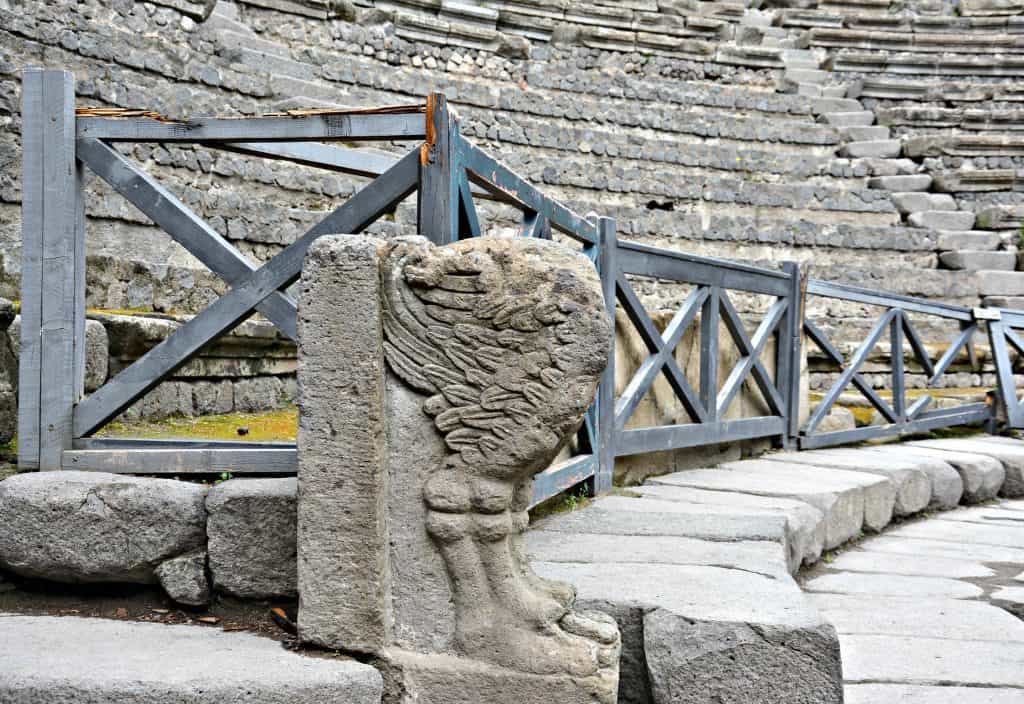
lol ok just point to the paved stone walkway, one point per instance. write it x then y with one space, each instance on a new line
925 611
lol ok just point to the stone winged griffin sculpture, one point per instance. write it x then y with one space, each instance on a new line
507 339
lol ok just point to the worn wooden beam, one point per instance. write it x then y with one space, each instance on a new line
346 160
709 352
182 224
672 437
183 460
562 476
469 221
379 197
868 296
323 126
437 204
946 418
750 357
605 436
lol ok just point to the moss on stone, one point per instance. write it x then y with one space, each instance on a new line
271 426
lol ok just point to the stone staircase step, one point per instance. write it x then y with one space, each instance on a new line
973 240
915 201
864 134
981 476
1000 283
1001 217
805 75
67 658
801 58
976 261
901 182
942 219
872 585
878 148
812 90
1010 452
827 105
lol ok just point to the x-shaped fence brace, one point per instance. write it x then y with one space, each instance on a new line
1001 324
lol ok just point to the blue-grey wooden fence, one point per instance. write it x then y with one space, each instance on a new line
448 173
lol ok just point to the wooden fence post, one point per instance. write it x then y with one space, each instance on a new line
52 357
605 432
788 354
437 199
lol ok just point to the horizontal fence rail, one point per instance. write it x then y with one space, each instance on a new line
450 175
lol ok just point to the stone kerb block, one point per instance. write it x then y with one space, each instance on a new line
434 383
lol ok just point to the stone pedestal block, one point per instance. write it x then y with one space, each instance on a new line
434 383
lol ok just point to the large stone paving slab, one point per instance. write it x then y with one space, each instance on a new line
913 660
982 476
944 548
957 531
913 486
842 507
962 619
909 565
892 585
99 661
911 694
1009 452
947 486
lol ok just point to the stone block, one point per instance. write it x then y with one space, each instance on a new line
942 219
925 694
901 182
1010 454
1001 217
867 584
915 201
981 476
94 660
976 261
973 240
257 394
97 355
74 526
883 148
1000 283
184 578
864 134
251 529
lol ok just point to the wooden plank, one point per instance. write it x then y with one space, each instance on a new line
378 197
962 415
345 160
910 304
108 443
846 377
314 127
560 477
183 461
508 186
762 378
750 351
62 248
32 159
964 337
469 221
818 338
899 390
184 225
671 437
1004 373
535 225
917 345
709 352
649 369
437 202
790 341
605 435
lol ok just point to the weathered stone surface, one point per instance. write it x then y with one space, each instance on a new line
866 560
901 182
913 487
892 585
842 507
1000 283
805 523
184 578
974 240
982 476
441 448
947 487
1011 454
73 526
100 661
997 535
97 356
922 694
973 261
884 148
869 658
945 548
942 219
251 532
860 118
912 202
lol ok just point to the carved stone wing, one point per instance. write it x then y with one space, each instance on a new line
508 339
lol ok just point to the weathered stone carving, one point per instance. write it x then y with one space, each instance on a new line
495 349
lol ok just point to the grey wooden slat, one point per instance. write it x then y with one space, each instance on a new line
1004 373
183 461
789 344
535 225
963 338
709 352
1012 317
649 369
859 357
1014 340
346 160
604 430
469 221
917 345
510 187
565 475
857 294
318 127
437 203
109 443
63 243
669 437
79 284
963 415
750 351
762 378
634 310
918 407
899 389
378 197
181 223
676 266
32 158
819 338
